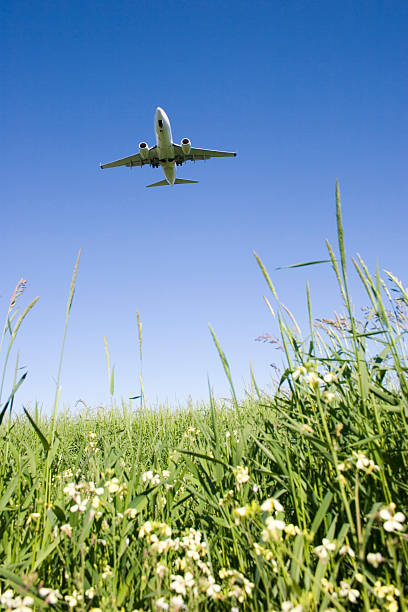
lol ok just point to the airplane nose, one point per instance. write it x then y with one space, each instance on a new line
161 118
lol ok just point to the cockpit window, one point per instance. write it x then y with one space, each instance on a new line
160 122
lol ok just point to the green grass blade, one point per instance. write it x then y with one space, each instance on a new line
11 397
266 276
225 365
304 263
43 439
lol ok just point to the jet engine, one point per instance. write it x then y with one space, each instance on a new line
186 146
143 150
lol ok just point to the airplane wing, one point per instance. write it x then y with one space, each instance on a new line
133 160
199 154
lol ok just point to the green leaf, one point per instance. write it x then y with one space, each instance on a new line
385 395
8 492
304 263
139 503
38 431
298 557
321 513
59 513
11 397
44 553
203 456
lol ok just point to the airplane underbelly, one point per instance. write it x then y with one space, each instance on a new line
166 155
165 145
166 151
169 169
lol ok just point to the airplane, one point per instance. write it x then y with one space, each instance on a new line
166 153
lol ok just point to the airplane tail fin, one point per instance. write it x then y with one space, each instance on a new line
176 182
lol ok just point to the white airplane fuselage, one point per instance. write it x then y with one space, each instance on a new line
166 153
164 141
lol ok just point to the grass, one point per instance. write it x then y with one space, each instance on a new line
295 501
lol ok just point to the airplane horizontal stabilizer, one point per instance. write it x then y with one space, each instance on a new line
180 181
159 184
176 182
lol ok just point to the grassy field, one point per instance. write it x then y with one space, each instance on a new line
293 502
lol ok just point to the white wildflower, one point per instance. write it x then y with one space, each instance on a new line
242 511
112 485
50 596
392 522
346 550
107 571
131 513
271 504
375 559
272 527
241 475
346 591
178 584
34 516
161 570
213 589
287 606
177 603
90 593
71 489
364 463
96 490
6 598
71 600
189 579
300 371
323 550
66 530
96 502
313 379
145 529
80 505
292 530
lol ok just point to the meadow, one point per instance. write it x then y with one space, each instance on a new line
294 501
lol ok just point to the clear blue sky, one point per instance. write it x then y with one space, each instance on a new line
304 91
